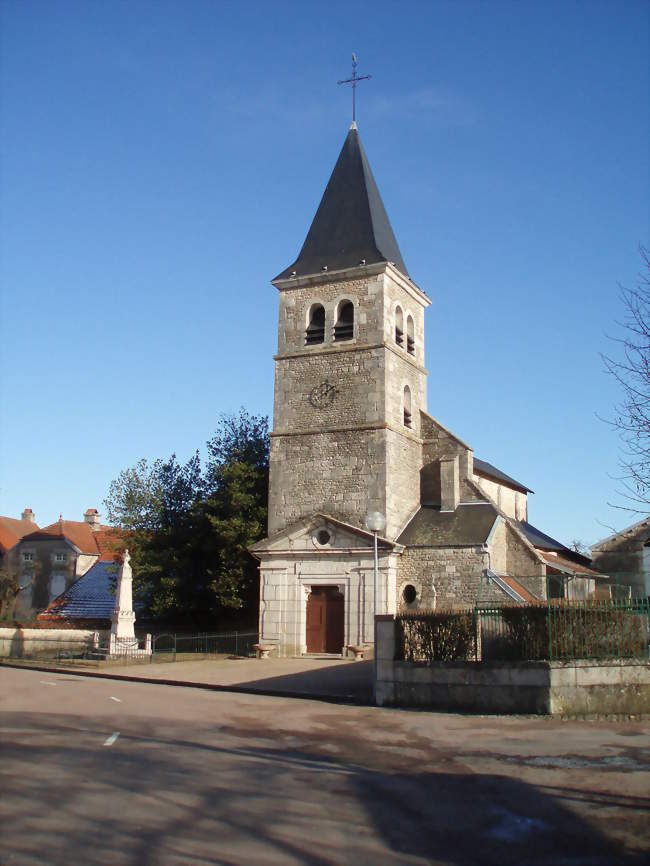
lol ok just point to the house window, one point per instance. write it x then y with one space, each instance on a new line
344 328
407 406
399 326
410 336
315 332
60 557
28 556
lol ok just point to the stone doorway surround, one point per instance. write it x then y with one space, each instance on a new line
307 589
325 620
291 564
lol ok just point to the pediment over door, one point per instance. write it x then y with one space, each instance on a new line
321 533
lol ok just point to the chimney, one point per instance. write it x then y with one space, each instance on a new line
28 514
91 516
449 484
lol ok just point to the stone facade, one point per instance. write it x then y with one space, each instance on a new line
351 435
339 442
443 577
626 555
293 563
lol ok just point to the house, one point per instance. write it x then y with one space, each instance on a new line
54 557
626 556
357 460
12 530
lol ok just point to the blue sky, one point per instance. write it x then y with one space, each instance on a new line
161 162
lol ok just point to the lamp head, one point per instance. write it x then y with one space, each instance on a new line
375 521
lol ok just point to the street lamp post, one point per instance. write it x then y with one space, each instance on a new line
375 522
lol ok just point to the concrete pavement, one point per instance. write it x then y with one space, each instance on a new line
100 771
334 679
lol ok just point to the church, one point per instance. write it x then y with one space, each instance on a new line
356 459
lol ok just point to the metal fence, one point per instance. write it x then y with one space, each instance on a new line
169 647
555 630
97 648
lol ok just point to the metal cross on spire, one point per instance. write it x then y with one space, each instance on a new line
353 81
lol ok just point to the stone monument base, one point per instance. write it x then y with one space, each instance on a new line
128 646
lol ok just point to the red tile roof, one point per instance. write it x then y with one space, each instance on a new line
519 589
12 530
110 543
564 564
102 541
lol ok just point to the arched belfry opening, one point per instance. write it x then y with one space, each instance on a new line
410 336
399 326
408 418
315 332
344 327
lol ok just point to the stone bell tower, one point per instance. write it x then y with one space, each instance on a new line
349 373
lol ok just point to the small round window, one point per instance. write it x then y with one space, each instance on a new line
323 536
409 594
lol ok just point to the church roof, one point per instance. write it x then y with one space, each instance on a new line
482 467
351 225
543 542
468 525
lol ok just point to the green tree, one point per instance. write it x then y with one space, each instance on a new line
189 527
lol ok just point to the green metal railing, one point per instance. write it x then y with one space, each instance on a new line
169 646
552 630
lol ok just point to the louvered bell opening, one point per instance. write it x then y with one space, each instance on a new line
344 328
399 336
410 345
315 332
407 418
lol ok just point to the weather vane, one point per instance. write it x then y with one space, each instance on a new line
353 81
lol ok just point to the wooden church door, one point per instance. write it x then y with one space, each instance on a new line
325 620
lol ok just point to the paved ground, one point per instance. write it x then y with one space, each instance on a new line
304 676
100 771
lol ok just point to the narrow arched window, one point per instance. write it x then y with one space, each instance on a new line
315 332
344 327
410 336
407 406
399 326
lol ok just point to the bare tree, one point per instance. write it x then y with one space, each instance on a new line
632 372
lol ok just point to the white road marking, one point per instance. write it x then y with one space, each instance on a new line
112 738
45 683
116 699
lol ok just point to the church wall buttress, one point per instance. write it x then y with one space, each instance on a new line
403 464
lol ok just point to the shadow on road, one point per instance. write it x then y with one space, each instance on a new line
352 680
179 794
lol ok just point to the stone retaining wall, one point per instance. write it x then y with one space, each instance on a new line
566 688
23 642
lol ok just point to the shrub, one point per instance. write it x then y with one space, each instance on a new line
436 636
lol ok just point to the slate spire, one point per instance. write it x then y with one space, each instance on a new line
351 224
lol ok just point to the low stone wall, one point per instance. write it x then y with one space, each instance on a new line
567 688
44 642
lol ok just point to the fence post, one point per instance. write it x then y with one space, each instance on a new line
550 625
236 645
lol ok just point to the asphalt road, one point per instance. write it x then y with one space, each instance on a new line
106 772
